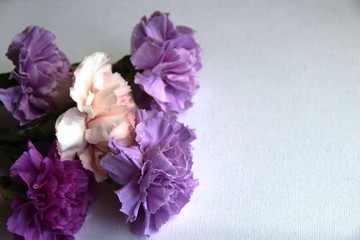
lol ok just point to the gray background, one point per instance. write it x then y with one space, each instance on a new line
277 114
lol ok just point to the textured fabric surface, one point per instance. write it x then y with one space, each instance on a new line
277 114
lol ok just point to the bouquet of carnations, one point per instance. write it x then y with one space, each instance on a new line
88 122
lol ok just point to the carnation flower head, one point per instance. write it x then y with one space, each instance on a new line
57 198
42 72
105 109
169 58
155 172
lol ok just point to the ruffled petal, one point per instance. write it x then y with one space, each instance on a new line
147 56
129 196
119 166
90 159
71 123
27 166
92 68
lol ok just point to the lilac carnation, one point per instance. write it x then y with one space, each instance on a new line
43 74
156 173
57 198
169 58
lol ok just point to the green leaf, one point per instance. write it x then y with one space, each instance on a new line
126 69
6 82
74 66
10 189
12 149
41 129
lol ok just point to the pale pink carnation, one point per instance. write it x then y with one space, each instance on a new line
105 110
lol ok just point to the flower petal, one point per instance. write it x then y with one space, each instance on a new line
120 167
92 68
71 123
129 196
90 159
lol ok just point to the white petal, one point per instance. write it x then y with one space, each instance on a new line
92 68
70 132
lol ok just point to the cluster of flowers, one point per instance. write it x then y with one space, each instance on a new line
115 121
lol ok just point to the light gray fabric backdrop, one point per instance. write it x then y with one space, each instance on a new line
277 115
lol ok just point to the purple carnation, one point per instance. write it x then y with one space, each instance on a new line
156 173
43 74
170 58
57 198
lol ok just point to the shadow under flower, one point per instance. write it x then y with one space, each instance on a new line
104 219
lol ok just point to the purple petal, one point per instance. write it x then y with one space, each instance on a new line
153 132
163 182
57 198
142 224
20 221
170 58
159 161
119 167
27 166
156 198
132 152
157 28
129 196
122 165
147 56
39 67
142 115
185 30
161 217
152 84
